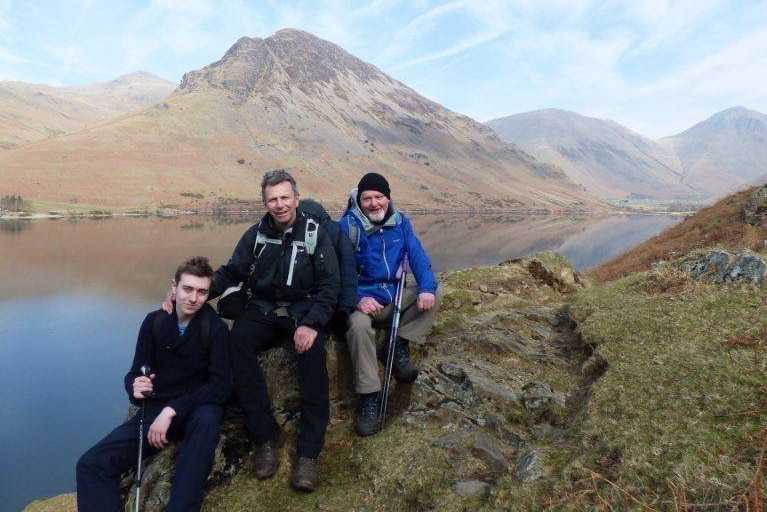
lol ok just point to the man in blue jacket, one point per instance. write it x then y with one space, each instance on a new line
382 236
189 383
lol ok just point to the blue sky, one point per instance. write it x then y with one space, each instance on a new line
656 66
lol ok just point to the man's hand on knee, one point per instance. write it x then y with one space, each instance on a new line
426 301
158 432
369 306
304 338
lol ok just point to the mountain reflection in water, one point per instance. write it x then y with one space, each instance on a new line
137 256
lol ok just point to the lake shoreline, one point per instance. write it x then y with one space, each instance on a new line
102 214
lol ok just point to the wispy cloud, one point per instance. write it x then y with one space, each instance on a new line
174 26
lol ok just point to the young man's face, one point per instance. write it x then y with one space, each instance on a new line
374 205
281 203
191 294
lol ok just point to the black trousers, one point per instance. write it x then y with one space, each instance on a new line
100 468
255 331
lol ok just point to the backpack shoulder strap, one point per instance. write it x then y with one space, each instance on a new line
205 332
310 235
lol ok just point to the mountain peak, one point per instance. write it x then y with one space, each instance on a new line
289 58
735 119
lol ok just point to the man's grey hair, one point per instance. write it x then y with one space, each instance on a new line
275 177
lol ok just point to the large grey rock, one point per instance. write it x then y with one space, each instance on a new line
539 394
528 467
725 267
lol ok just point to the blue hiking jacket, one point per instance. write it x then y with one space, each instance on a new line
380 249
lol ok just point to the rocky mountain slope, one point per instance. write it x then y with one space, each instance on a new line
34 112
719 155
288 101
726 152
608 159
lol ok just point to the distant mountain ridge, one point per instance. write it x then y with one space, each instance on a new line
719 155
290 101
726 152
34 112
605 157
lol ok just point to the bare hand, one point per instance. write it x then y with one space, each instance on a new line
369 306
167 304
158 431
426 301
304 338
142 387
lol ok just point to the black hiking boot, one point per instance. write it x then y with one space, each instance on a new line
267 458
367 419
305 475
403 369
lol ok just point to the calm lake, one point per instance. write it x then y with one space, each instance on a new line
74 293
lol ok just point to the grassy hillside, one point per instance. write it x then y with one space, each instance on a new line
677 421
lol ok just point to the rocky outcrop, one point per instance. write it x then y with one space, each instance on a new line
554 270
726 267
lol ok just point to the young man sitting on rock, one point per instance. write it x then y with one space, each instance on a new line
189 381
382 236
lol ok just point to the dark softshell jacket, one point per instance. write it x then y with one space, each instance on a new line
188 373
312 291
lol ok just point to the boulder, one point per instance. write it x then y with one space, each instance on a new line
528 467
724 267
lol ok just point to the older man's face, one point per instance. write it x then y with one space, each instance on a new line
281 203
374 205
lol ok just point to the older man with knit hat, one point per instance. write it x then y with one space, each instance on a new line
382 236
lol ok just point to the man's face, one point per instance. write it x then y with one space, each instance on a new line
191 294
281 204
374 205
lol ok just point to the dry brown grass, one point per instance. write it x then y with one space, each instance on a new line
718 225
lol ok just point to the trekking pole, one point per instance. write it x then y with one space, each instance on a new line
402 271
145 372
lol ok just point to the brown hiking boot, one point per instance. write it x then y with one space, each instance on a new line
305 474
268 456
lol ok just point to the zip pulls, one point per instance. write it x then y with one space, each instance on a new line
383 253
293 254
386 263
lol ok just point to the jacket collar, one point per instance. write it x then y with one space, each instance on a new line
267 227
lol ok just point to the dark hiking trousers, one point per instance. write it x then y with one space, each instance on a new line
253 332
100 468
